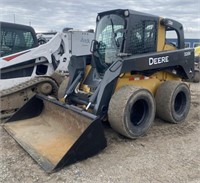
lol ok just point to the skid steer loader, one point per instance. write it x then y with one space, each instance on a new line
196 78
131 76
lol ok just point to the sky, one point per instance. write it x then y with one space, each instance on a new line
47 15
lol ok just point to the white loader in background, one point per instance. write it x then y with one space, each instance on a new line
39 69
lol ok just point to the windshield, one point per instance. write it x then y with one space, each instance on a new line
110 34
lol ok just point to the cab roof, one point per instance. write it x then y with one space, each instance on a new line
121 12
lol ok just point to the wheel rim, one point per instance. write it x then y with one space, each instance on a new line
138 112
180 103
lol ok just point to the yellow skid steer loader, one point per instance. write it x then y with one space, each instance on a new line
132 75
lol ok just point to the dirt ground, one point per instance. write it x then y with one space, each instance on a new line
168 153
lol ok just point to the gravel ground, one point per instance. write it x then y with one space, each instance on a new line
168 153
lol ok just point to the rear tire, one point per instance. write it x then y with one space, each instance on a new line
131 111
173 101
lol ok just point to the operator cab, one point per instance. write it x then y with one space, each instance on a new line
121 33
15 38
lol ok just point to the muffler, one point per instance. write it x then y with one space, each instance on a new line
56 134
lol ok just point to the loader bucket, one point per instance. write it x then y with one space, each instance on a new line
56 134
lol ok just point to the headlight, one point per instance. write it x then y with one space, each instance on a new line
98 17
126 13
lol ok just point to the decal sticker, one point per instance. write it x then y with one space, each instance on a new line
9 58
187 53
158 60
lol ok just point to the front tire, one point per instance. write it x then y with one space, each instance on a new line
131 111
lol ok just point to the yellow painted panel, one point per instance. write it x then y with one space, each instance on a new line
161 37
151 83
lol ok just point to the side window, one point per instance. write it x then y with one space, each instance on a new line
143 37
171 38
150 36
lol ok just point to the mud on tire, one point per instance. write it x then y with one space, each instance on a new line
173 101
131 111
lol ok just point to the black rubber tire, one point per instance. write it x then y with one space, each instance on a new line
196 78
62 88
173 101
131 111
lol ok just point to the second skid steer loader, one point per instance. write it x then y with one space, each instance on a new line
37 70
196 78
131 76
